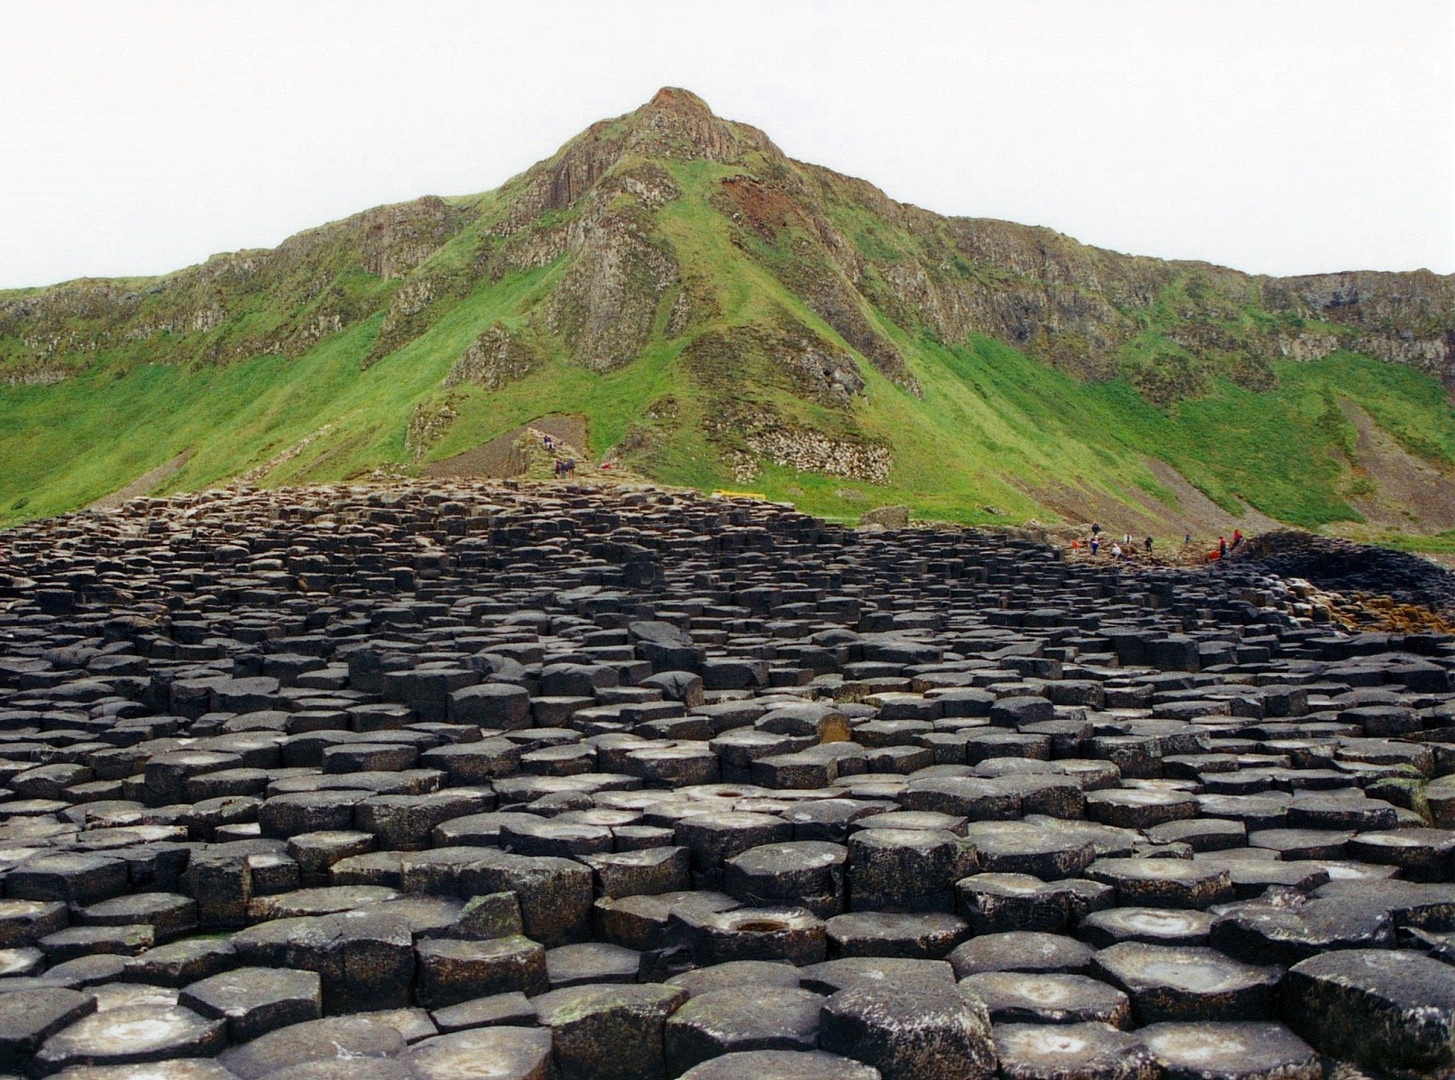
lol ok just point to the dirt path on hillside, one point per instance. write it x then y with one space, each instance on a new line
502 457
1200 513
1410 494
1132 510
144 484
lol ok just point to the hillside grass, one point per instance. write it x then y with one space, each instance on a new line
64 446
993 434
992 429
995 427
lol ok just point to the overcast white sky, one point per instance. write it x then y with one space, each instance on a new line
1277 136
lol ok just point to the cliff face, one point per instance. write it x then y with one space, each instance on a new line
785 290
1399 318
1084 309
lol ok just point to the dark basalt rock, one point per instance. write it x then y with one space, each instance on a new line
1171 883
689 773
910 1032
997 903
24 922
333 1039
29 1017
782 1065
512 1053
1384 1009
1339 566
1420 854
452 970
131 1034
835 975
1022 998
1180 983
1231 1051
591 962
1285 928
182 962
763 974
1021 950
1089 1051
791 934
495 1010
1018 848
750 1017
807 873
920 936
255 1001
1152 926
907 869
607 1032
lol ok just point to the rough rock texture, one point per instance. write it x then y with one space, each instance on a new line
1382 1009
627 782
1342 567
812 451
494 359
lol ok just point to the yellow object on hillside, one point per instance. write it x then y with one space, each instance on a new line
757 496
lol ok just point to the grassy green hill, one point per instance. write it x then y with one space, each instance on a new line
726 317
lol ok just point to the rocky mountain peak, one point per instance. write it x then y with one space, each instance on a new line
674 99
678 124
674 125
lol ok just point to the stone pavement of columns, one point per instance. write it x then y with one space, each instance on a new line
460 780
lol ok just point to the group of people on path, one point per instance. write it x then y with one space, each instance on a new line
1224 547
1126 548
564 467
1122 549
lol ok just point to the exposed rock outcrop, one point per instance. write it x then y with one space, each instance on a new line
495 358
749 433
